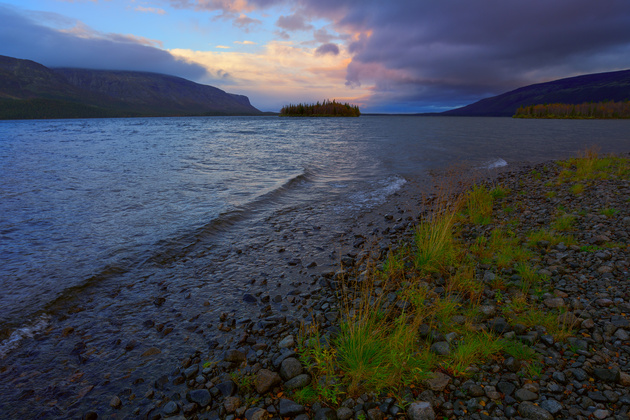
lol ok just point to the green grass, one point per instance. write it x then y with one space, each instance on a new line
545 235
478 204
564 222
577 189
379 349
434 242
608 211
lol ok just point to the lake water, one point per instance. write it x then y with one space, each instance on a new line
101 221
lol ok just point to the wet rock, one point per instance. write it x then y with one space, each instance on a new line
247 298
201 397
235 356
115 402
170 408
152 351
420 410
227 388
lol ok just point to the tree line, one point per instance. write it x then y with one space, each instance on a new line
604 110
326 109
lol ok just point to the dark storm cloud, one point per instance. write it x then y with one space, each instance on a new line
455 51
327 49
451 52
21 37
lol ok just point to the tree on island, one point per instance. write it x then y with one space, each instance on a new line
326 109
605 110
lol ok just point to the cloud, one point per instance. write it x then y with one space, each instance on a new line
245 22
277 73
223 47
458 50
82 47
245 42
293 22
324 49
150 10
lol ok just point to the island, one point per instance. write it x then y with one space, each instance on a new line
326 109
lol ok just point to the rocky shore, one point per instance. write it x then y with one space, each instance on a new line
261 368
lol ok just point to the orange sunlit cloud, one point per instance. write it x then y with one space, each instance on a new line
281 71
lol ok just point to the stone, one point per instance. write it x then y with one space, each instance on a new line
201 397
531 411
266 380
344 413
231 404
525 395
506 388
152 351
438 382
420 410
287 342
556 302
551 405
235 356
247 298
325 413
170 408
290 368
601 414
607 375
512 364
441 348
227 388
191 371
375 414
298 382
288 408
115 402
256 414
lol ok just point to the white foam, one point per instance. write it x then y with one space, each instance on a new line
21 333
497 163
379 195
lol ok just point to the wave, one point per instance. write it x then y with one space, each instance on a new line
493 164
22 333
377 195
160 253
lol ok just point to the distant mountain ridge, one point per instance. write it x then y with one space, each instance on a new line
31 90
596 87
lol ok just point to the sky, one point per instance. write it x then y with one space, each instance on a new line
387 56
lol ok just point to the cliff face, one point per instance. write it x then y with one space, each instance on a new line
597 87
26 87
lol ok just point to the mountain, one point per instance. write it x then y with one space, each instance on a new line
31 90
597 87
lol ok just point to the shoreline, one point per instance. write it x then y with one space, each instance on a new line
260 373
252 371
